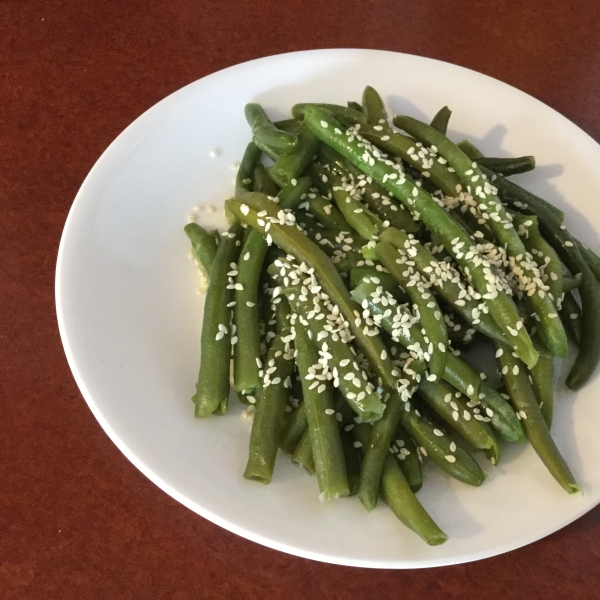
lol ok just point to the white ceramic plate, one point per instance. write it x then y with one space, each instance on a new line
130 317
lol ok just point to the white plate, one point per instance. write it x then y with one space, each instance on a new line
130 317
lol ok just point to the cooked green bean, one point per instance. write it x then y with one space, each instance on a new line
429 311
327 214
377 450
571 283
266 133
212 388
204 245
267 423
398 495
508 166
454 408
373 107
525 403
541 380
446 454
245 172
446 281
294 429
570 313
289 167
441 119
404 449
262 182
345 115
323 429
303 453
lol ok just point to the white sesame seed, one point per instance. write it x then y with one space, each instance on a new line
450 458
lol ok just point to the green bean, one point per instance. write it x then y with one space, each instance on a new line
246 319
447 282
292 194
452 459
327 214
373 107
543 254
434 217
541 380
571 283
322 425
245 173
266 133
523 195
383 204
204 246
267 423
349 379
385 279
414 154
504 419
354 105
353 211
262 182
592 260
294 429
565 246
471 176
291 240
212 388
245 314
290 125
570 314
470 150
429 311
303 453
441 119
404 449
454 409
290 166
352 460
508 166
346 116
377 451
524 402
398 495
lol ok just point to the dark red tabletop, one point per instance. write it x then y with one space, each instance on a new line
77 520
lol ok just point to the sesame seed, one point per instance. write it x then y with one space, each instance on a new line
329 411
450 458
357 444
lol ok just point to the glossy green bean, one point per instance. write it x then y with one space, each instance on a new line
454 409
525 403
373 107
398 495
294 429
570 313
303 453
323 429
204 246
267 423
377 450
405 450
429 311
245 172
446 454
441 119
508 166
266 133
212 388
291 166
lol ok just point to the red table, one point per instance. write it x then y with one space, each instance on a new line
77 520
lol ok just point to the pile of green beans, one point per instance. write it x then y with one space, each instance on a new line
365 260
